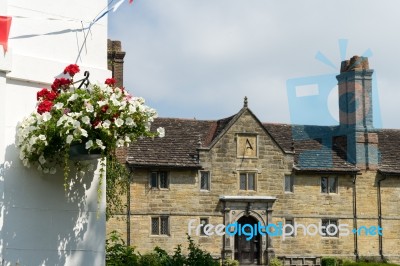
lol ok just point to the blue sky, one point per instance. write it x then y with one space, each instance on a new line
198 59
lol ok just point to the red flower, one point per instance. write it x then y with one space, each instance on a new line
60 83
45 94
44 106
110 82
72 69
51 96
104 108
95 122
41 94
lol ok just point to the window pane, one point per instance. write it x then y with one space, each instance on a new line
243 181
204 222
154 226
163 180
332 185
288 183
251 181
204 181
287 229
324 184
332 229
325 223
164 225
153 181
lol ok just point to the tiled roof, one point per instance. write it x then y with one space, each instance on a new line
389 148
176 149
183 137
311 153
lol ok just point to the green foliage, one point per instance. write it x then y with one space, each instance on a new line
328 261
198 257
229 262
118 254
117 178
275 262
150 259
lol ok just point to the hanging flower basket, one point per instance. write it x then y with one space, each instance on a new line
81 123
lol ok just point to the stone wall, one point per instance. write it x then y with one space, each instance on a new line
184 200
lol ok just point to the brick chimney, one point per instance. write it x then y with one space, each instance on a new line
355 112
115 57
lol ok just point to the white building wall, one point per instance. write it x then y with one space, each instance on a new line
41 224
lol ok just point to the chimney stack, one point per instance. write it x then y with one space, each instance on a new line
355 112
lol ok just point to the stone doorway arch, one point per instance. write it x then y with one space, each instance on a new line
259 208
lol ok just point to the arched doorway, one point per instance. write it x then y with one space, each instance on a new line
247 251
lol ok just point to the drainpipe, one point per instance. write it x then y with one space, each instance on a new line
380 215
128 209
355 216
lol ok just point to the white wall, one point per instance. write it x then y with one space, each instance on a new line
39 223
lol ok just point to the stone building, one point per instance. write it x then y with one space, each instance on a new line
324 180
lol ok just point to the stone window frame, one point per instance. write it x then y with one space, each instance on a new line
160 219
254 183
207 221
291 180
158 179
292 223
328 190
328 221
208 181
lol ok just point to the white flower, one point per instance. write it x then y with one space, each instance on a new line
129 121
86 120
89 144
89 108
58 106
42 137
119 122
42 160
114 100
52 170
76 124
100 144
61 120
106 123
46 170
120 143
127 139
46 116
101 103
73 97
84 132
69 139
161 132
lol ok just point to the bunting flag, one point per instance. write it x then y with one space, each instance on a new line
130 1
5 24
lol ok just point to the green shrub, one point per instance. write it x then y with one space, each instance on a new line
118 254
275 262
327 261
229 262
178 259
150 259
198 257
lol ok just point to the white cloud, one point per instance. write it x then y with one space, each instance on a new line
192 58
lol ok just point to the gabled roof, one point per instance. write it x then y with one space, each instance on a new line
183 138
179 147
